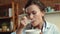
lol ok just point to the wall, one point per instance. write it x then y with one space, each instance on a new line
53 18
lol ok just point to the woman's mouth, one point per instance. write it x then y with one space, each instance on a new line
32 22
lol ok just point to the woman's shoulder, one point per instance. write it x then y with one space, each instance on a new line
50 25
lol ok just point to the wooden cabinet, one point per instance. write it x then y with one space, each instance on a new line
11 19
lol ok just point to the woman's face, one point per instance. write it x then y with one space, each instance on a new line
34 14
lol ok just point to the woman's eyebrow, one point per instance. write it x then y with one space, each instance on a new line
33 11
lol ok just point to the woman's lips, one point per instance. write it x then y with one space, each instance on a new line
32 22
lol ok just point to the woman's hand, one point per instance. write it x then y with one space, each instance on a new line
23 22
22 25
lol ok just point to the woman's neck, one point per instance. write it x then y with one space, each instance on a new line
39 26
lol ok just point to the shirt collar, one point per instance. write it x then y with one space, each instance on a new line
46 25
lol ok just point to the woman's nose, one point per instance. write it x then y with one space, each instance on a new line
31 16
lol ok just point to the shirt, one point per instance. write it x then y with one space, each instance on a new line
49 29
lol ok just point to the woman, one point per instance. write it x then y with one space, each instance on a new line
35 11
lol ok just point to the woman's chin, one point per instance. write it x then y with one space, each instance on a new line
34 24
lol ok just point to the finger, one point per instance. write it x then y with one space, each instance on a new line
23 23
25 17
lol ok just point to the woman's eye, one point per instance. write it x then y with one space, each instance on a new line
33 12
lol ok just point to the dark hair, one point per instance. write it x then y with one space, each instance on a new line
37 2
